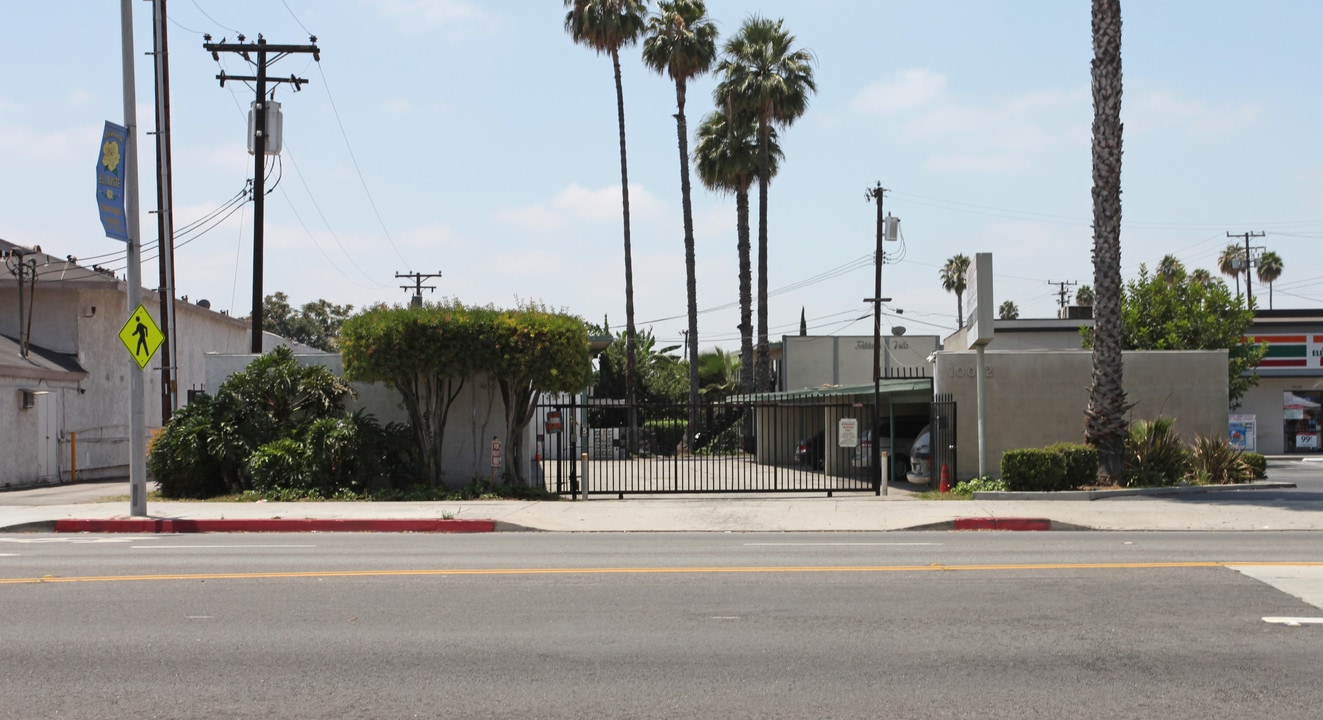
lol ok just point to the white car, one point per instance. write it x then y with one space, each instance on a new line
921 457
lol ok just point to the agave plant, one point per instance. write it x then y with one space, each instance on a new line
1155 454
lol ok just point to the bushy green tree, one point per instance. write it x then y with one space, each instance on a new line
315 324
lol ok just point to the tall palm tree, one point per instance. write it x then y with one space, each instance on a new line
1170 269
1231 262
726 158
1105 425
682 42
763 73
1201 276
1008 311
1270 268
954 274
605 26
1084 296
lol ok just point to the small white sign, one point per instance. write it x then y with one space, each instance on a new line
847 432
1306 441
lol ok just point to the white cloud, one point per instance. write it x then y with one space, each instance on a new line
1156 110
577 204
903 92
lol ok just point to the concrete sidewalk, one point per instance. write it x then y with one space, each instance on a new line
1238 510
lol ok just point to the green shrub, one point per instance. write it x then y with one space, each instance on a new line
179 459
1033 469
1258 464
980 484
278 465
1155 455
665 435
1081 464
1215 461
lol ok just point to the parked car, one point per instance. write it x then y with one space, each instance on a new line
907 428
921 457
809 451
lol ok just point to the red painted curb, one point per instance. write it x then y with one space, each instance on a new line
167 525
1002 524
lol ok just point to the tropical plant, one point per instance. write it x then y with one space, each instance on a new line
954 275
719 372
1105 426
1008 311
1155 455
1084 296
726 157
682 42
1201 276
1170 269
1270 268
606 26
762 73
1215 461
1231 262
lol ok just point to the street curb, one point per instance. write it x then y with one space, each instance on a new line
994 523
1128 492
169 525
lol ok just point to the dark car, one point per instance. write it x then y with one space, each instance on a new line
809 451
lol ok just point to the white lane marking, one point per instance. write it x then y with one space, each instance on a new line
1293 622
841 544
74 540
212 547
727 617
1304 582
8 554
199 617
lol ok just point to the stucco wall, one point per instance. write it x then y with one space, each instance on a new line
815 361
1038 398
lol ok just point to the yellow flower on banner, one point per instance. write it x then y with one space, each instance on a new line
110 155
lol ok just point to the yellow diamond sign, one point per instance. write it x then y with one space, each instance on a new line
141 336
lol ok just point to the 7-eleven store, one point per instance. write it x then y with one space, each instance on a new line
1284 413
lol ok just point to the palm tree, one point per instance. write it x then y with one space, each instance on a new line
1170 269
682 42
726 157
1201 276
606 26
1231 263
763 74
1105 425
1008 311
1084 296
954 274
1270 268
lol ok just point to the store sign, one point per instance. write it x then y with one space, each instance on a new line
1291 351
1243 432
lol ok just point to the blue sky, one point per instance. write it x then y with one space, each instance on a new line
475 139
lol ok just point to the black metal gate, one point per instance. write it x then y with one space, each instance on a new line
943 423
738 447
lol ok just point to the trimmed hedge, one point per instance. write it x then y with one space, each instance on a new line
1033 469
1081 464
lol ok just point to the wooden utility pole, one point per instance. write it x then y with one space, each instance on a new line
266 55
418 287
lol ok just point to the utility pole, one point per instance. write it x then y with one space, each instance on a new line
418 286
1249 263
1062 293
165 222
137 406
267 55
876 193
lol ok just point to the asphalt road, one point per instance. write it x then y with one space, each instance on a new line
738 625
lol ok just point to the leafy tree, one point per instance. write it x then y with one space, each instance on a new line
1008 311
606 26
315 324
1185 314
682 42
1270 268
954 275
428 352
763 74
727 157
662 375
1105 423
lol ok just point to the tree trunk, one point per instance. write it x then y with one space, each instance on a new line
746 290
631 374
763 372
691 281
1105 425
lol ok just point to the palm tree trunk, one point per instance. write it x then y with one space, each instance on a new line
630 369
691 282
746 290
1105 426
763 372
960 310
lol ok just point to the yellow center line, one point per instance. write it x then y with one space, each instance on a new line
655 570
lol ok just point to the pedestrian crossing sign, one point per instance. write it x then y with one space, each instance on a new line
141 336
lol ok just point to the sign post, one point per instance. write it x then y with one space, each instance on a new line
496 457
979 329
